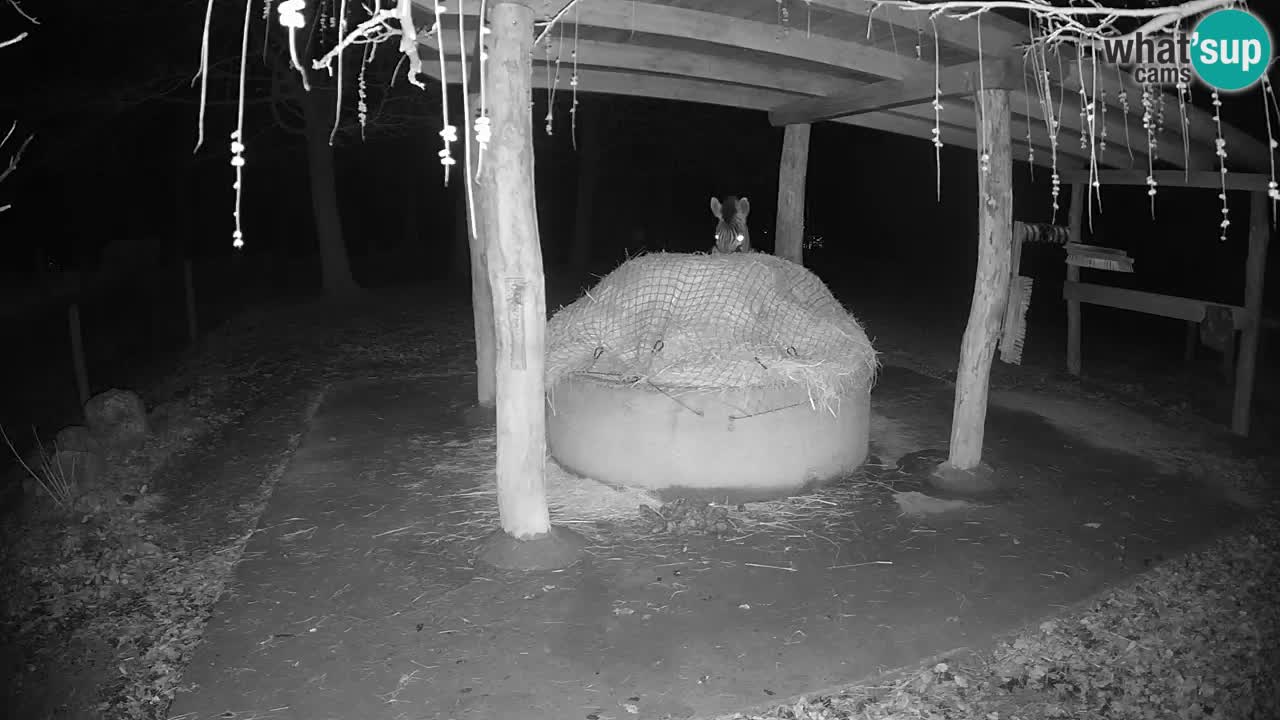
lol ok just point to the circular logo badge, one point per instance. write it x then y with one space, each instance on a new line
1231 49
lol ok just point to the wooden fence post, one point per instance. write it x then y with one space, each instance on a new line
1074 230
1255 272
77 353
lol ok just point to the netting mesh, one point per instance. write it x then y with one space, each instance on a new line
712 322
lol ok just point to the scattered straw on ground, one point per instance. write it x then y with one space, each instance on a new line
457 473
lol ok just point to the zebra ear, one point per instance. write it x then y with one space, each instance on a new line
744 207
715 206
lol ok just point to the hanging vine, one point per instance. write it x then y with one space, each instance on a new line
1084 24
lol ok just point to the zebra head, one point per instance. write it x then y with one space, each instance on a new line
731 230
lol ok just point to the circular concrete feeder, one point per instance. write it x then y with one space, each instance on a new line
751 439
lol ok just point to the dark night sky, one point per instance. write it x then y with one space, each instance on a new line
102 167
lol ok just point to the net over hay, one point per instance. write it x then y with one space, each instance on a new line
708 322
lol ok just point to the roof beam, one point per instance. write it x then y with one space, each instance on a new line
713 92
643 17
919 87
684 63
1174 178
763 37
1002 37
799 83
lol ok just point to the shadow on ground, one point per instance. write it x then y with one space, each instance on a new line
340 610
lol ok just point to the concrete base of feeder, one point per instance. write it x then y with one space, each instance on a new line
757 440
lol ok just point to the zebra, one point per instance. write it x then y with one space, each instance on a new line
731 230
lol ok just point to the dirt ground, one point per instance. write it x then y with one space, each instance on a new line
340 509
347 603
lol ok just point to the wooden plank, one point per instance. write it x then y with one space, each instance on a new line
991 284
919 87
1255 274
1170 306
1075 229
792 170
1207 179
516 278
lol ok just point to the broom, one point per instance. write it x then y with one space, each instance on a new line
1014 333
1014 330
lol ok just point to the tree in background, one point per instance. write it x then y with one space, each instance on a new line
16 157
105 119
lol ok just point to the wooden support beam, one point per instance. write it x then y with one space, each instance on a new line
1001 37
1255 273
1001 33
738 69
516 278
762 59
722 29
1207 179
991 283
913 122
1170 306
920 87
479 231
1075 226
792 171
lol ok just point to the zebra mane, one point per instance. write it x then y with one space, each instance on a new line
729 209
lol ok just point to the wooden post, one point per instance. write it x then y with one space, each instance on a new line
792 169
77 353
1074 231
480 233
189 286
1255 271
516 275
991 283
1229 355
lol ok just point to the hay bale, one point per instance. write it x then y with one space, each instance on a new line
743 320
